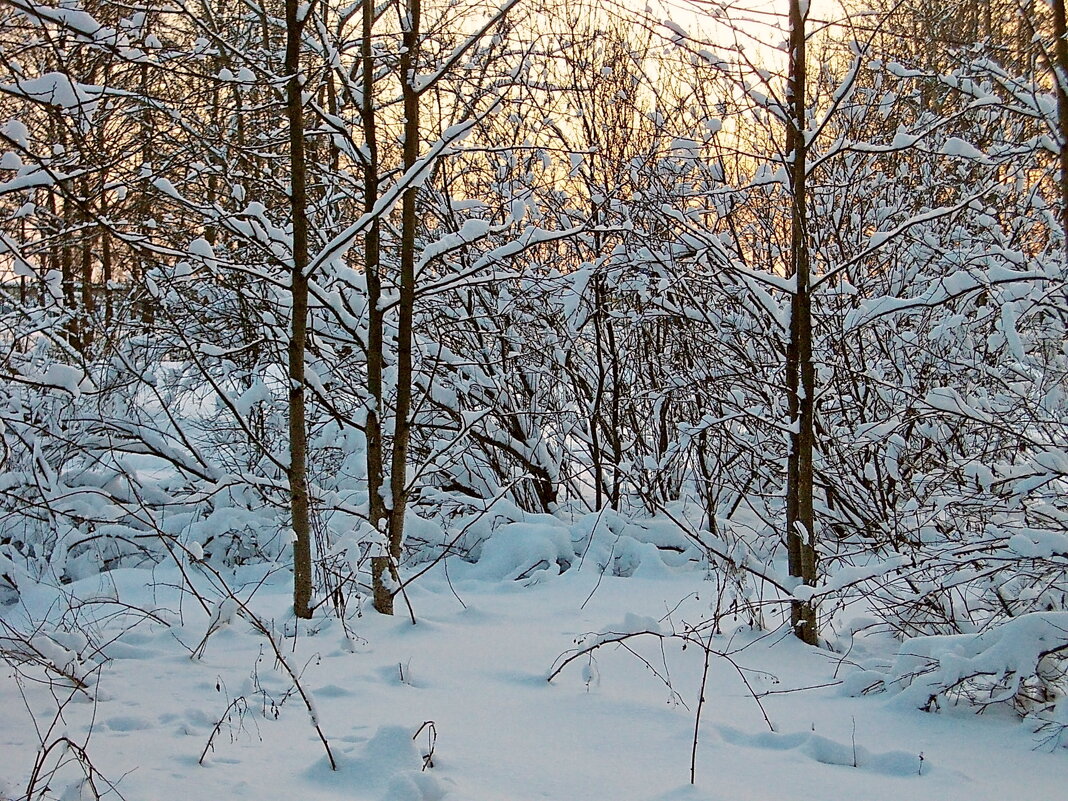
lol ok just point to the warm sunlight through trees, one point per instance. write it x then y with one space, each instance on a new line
770 292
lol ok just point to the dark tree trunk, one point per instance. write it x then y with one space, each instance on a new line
298 337
398 477
1060 65
382 591
800 374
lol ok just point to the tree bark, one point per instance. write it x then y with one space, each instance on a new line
381 587
86 271
800 373
398 473
298 336
1060 66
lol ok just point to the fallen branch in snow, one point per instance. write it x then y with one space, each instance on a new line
309 703
43 651
432 740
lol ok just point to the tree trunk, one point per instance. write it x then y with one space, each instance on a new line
143 206
1060 66
398 469
800 374
106 269
381 586
88 240
298 436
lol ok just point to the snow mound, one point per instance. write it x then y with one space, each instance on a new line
520 550
539 546
1020 662
389 752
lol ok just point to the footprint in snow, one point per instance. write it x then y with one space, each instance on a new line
332 691
388 766
831 752
127 723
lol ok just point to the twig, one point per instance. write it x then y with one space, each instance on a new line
693 535
748 686
313 716
240 704
766 693
700 708
260 626
432 739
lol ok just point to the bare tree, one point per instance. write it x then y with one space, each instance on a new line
800 371
298 338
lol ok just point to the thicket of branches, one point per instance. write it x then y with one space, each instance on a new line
530 260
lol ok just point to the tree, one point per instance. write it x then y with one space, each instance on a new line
298 338
1060 77
800 370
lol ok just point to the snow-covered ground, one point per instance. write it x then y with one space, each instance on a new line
617 727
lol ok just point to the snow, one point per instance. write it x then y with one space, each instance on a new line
947 399
56 88
675 28
955 146
1034 544
903 140
475 666
566 358
71 19
998 661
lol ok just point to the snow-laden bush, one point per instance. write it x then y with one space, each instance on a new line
1021 662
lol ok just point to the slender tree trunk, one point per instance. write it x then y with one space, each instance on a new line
210 229
615 412
106 266
398 477
1023 44
298 436
800 375
86 270
600 482
69 279
24 293
143 208
60 209
381 586
1060 65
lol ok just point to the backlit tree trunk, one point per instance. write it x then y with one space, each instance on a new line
410 21
1060 64
800 373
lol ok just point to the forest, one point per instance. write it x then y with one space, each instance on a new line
320 318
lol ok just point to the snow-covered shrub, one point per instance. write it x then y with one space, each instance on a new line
1021 662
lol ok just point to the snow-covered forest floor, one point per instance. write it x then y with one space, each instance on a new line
467 686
